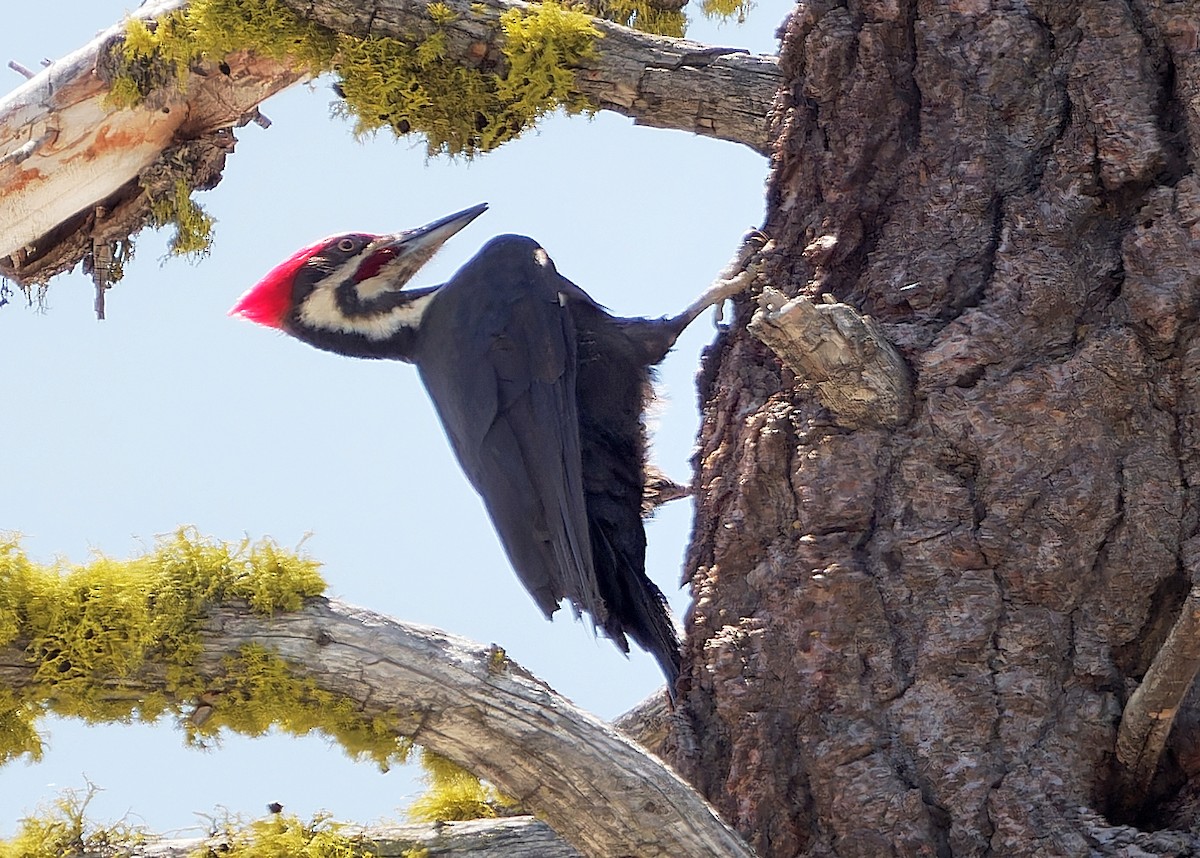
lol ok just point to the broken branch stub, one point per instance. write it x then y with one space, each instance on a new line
844 355
74 168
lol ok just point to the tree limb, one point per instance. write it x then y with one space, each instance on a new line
656 80
70 164
1151 710
513 837
597 788
78 175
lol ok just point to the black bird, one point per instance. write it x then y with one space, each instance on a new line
540 391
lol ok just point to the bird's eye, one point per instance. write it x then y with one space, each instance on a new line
346 245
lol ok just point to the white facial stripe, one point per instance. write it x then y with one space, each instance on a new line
320 310
373 287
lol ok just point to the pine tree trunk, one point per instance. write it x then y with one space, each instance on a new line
920 639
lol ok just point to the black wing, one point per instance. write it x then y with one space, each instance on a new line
497 353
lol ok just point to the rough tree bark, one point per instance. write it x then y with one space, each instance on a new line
920 640
918 626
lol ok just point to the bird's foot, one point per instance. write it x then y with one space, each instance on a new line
742 271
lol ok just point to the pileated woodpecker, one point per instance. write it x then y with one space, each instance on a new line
540 391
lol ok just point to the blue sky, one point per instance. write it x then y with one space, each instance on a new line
170 413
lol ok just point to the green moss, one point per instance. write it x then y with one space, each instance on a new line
412 86
193 227
210 30
63 830
90 630
440 14
259 692
389 83
454 794
124 92
543 46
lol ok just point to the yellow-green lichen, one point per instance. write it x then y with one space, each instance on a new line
90 631
644 16
286 836
62 829
727 9
409 84
454 794
193 226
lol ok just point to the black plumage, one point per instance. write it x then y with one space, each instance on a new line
540 390
542 401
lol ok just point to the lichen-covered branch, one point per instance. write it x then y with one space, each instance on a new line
721 92
513 837
598 789
97 146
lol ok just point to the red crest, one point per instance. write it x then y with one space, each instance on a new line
268 301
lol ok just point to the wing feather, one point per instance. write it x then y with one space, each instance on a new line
504 387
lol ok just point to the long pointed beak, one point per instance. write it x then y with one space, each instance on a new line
425 240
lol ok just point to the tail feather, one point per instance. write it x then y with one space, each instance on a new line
636 606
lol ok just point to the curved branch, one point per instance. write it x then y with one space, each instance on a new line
656 80
595 787
1151 710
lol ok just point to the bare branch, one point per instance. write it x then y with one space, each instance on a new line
514 837
1151 710
844 355
70 163
597 788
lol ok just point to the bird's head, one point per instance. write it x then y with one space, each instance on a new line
346 292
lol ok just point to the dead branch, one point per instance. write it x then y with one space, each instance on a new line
70 164
658 81
856 372
78 175
1151 710
513 837
595 787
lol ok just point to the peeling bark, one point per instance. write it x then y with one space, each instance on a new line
78 175
75 172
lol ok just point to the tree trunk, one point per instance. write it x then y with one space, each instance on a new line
919 639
